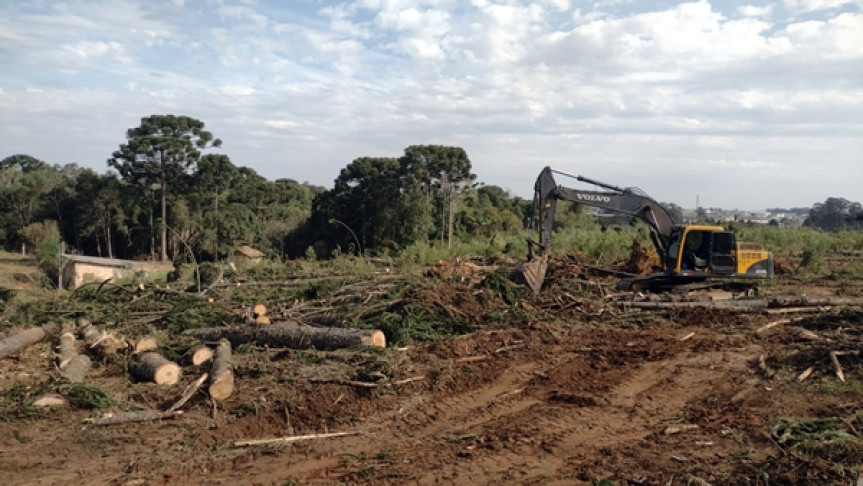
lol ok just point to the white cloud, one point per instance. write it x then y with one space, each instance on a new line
236 90
815 5
755 11
299 89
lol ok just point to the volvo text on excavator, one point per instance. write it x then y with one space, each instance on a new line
691 256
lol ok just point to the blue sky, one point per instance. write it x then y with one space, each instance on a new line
742 104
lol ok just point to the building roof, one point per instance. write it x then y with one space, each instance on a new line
114 262
249 252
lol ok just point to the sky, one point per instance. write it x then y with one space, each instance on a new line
739 105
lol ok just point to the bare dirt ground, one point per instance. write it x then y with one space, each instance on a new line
576 390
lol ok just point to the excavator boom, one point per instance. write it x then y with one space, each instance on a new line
627 200
688 254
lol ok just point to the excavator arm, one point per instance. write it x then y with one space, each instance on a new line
631 201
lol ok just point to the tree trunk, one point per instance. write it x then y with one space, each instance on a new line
21 340
164 225
108 241
151 366
222 374
296 337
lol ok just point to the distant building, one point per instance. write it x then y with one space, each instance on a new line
247 254
78 270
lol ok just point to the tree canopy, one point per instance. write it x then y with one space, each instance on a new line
835 213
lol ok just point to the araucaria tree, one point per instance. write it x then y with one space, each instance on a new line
158 153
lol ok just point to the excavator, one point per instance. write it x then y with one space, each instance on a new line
692 256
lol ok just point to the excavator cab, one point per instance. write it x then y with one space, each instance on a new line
711 250
698 249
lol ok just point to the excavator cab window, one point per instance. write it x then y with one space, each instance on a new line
723 256
696 250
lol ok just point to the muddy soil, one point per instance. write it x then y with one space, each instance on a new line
579 391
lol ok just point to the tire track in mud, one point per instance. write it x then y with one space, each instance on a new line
470 408
532 422
531 425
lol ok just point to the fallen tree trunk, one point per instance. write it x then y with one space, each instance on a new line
152 366
76 369
66 350
742 306
806 301
72 365
21 340
295 337
222 374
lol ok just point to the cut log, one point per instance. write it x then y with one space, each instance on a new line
286 440
21 340
222 374
262 320
72 365
152 366
76 369
200 354
295 337
834 358
144 344
259 310
51 400
677 429
358 384
806 374
136 416
806 301
101 342
67 350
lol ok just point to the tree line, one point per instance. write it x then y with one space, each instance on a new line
168 192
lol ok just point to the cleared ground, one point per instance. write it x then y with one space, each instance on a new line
571 388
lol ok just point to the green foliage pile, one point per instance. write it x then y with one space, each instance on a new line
16 402
414 321
822 437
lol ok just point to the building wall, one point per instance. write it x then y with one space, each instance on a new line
77 272
84 272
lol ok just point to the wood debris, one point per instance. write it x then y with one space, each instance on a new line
289 439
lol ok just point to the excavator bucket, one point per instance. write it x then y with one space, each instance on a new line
533 272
